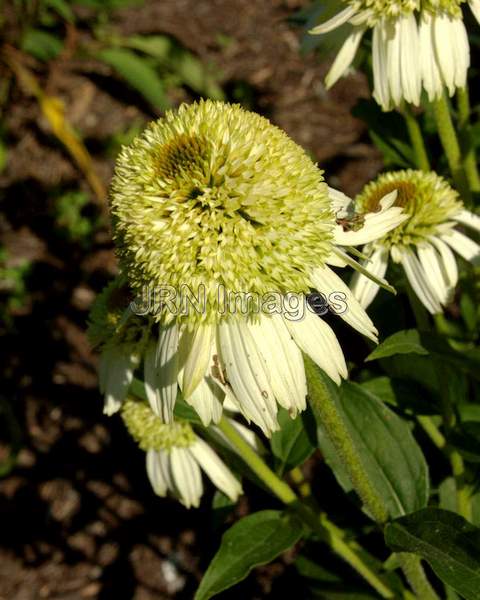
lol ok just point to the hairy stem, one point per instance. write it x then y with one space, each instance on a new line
451 146
469 158
416 139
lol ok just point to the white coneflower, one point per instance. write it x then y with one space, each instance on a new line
422 244
218 201
176 455
414 43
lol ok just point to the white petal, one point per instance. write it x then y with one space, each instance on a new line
342 205
161 372
363 288
207 401
409 63
448 262
452 50
416 277
376 224
247 374
344 57
432 267
467 248
432 79
283 360
327 282
394 51
469 219
381 91
215 468
461 49
195 353
158 471
475 8
117 365
317 339
186 476
336 21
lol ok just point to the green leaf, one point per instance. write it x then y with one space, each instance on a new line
41 45
406 395
138 73
291 445
402 342
466 439
393 460
254 540
158 46
449 543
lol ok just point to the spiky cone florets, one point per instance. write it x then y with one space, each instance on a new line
423 244
175 456
211 197
416 44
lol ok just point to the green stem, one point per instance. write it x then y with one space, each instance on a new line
326 530
416 577
416 139
326 411
432 431
470 159
449 140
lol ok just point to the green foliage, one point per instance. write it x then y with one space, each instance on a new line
402 342
384 442
13 288
41 44
292 445
69 217
447 541
254 540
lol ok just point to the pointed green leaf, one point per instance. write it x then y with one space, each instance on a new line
402 342
254 540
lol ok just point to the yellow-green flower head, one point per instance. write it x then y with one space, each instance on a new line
425 243
427 198
110 323
149 431
213 195
379 9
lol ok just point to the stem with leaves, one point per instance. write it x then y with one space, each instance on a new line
470 159
322 526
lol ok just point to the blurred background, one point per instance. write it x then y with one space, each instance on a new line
77 80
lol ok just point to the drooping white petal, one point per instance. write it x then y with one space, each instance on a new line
432 79
161 372
469 219
448 262
206 399
283 361
375 226
381 91
317 339
247 374
327 282
431 264
117 365
363 288
410 71
345 57
336 21
463 245
394 52
417 279
452 50
195 353
216 469
186 476
158 471
475 8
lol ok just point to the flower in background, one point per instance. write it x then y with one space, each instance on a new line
214 197
423 244
176 456
415 44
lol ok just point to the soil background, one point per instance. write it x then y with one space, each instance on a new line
78 517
